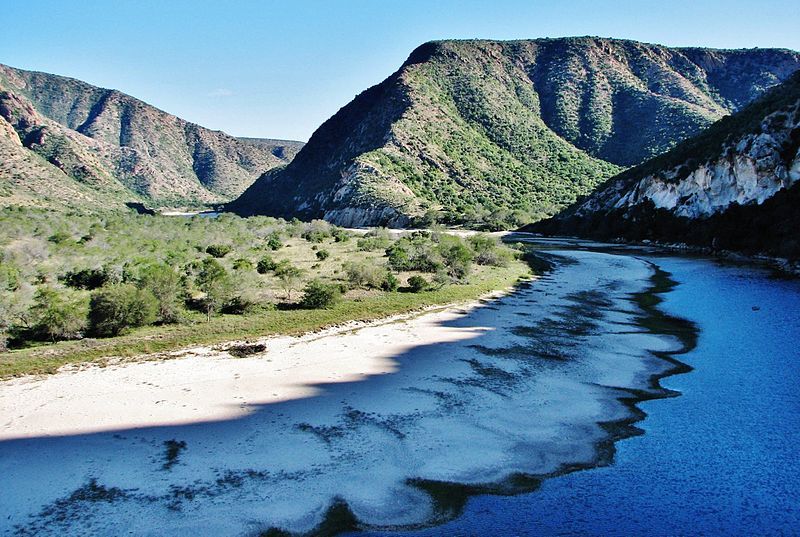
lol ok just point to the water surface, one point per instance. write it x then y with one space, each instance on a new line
721 459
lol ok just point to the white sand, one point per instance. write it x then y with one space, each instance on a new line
273 439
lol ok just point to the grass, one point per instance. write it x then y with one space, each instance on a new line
159 339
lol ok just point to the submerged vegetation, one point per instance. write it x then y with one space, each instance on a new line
76 287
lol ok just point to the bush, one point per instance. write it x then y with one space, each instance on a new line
266 264
274 241
390 282
55 317
457 257
340 235
218 250
213 280
417 252
489 251
116 308
316 231
59 237
317 294
322 255
417 284
377 239
90 279
167 287
242 264
365 274
289 275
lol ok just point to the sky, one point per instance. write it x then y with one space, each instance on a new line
278 69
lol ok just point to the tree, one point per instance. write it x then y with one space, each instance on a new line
317 294
166 286
115 308
214 281
289 275
55 317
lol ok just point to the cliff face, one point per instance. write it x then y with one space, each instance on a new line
735 186
485 131
89 132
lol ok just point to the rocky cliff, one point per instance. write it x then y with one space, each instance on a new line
487 132
734 186
116 144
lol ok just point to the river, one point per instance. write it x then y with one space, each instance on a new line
721 459
465 422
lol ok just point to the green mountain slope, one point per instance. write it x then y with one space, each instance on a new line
89 132
734 186
486 131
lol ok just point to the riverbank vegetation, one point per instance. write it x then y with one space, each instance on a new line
85 287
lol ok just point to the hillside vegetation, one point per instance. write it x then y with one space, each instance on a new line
489 133
78 286
67 142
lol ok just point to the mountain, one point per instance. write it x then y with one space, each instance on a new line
735 186
489 131
63 140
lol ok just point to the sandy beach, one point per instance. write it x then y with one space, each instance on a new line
220 445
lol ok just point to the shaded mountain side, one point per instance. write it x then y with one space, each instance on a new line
735 186
488 132
159 158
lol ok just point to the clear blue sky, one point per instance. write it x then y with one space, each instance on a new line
279 68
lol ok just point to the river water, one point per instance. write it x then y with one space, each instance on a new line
721 459
505 394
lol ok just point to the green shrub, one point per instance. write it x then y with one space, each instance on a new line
417 283
367 274
54 316
456 255
59 237
322 255
376 239
489 251
90 279
317 294
214 282
116 308
289 275
316 231
390 282
218 250
242 264
274 241
167 287
340 235
266 264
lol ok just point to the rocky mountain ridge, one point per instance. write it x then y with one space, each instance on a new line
735 186
490 132
118 146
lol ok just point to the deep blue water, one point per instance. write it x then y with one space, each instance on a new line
721 459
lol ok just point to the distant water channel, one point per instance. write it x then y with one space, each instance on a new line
721 459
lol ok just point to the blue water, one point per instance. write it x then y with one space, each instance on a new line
721 459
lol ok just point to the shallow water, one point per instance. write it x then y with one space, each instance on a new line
721 459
